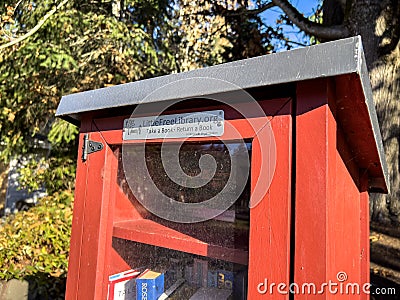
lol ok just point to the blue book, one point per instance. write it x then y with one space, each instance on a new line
149 285
225 279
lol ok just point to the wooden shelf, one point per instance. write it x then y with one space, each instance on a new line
154 233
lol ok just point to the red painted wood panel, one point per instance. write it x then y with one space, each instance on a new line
92 227
314 136
269 257
364 234
153 233
343 232
268 107
126 207
315 180
327 222
234 129
118 263
106 222
77 221
95 223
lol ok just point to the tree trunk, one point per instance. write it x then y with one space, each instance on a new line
377 21
385 79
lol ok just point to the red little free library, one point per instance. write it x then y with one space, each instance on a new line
225 178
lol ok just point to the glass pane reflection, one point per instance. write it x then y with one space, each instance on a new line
222 269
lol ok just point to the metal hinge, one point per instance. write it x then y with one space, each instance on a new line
90 147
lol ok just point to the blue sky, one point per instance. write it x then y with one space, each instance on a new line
306 7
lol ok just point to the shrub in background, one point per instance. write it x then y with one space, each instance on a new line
34 246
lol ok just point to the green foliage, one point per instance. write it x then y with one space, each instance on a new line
316 17
32 174
55 173
34 245
82 46
62 132
88 45
55 169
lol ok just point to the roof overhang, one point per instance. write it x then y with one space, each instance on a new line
343 60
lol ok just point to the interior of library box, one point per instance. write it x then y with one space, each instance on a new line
199 260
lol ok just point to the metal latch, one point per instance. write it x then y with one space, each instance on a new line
90 147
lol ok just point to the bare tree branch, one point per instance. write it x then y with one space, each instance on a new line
312 28
34 29
296 43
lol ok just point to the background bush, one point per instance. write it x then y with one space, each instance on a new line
34 246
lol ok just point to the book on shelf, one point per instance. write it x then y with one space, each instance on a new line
225 279
149 285
122 285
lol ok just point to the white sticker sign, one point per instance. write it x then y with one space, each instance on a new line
196 124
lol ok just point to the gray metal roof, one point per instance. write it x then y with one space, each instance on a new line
339 57
324 60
